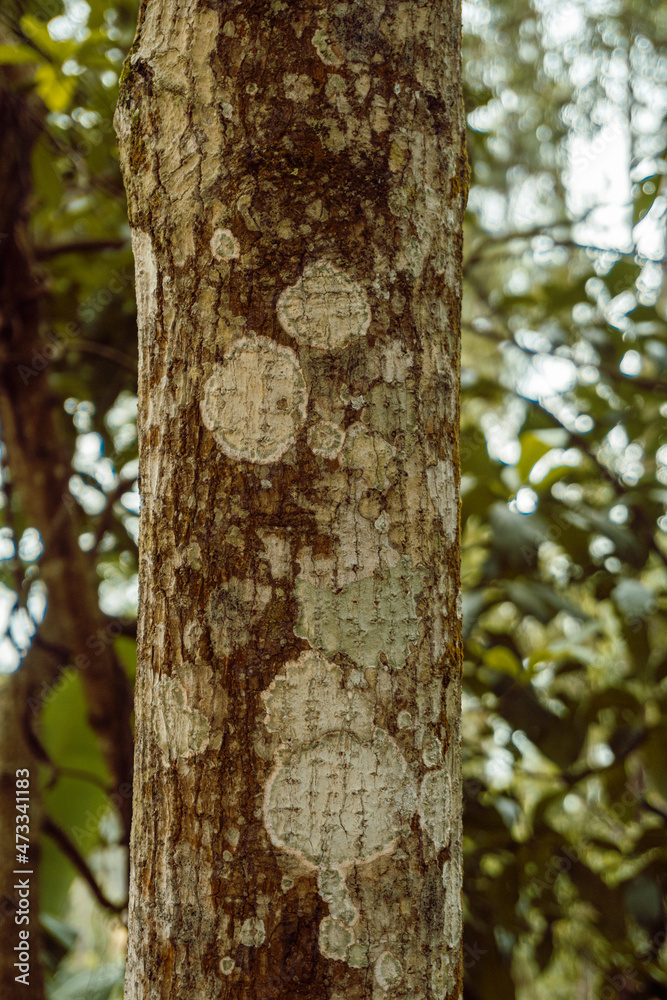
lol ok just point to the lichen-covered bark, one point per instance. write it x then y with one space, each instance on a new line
296 180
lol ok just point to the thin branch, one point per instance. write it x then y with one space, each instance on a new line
104 351
71 852
127 626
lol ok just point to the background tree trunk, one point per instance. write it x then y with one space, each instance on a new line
296 179
37 466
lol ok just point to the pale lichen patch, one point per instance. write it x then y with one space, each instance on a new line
308 700
298 86
443 981
364 619
325 48
253 932
224 245
395 361
432 750
340 801
435 807
254 404
181 730
358 955
335 939
326 439
453 882
324 309
368 451
333 890
227 965
145 267
404 720
388 971
442 488
277 552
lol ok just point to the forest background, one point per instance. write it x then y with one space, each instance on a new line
564 483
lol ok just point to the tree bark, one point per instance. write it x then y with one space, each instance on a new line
296 178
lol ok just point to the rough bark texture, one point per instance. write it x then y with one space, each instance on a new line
296 178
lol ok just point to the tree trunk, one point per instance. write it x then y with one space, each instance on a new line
296 178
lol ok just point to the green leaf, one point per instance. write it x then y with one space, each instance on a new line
16 55
126 648
55 89
533 447
88 984
76 801
503 661
38 32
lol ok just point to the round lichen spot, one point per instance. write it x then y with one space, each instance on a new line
326 439
255 403
323 45
405 720
253 932
308 699
335 939
224 245
227 966
388 971
338 800
325 309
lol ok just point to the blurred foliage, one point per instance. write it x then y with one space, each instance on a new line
564 482
564 485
